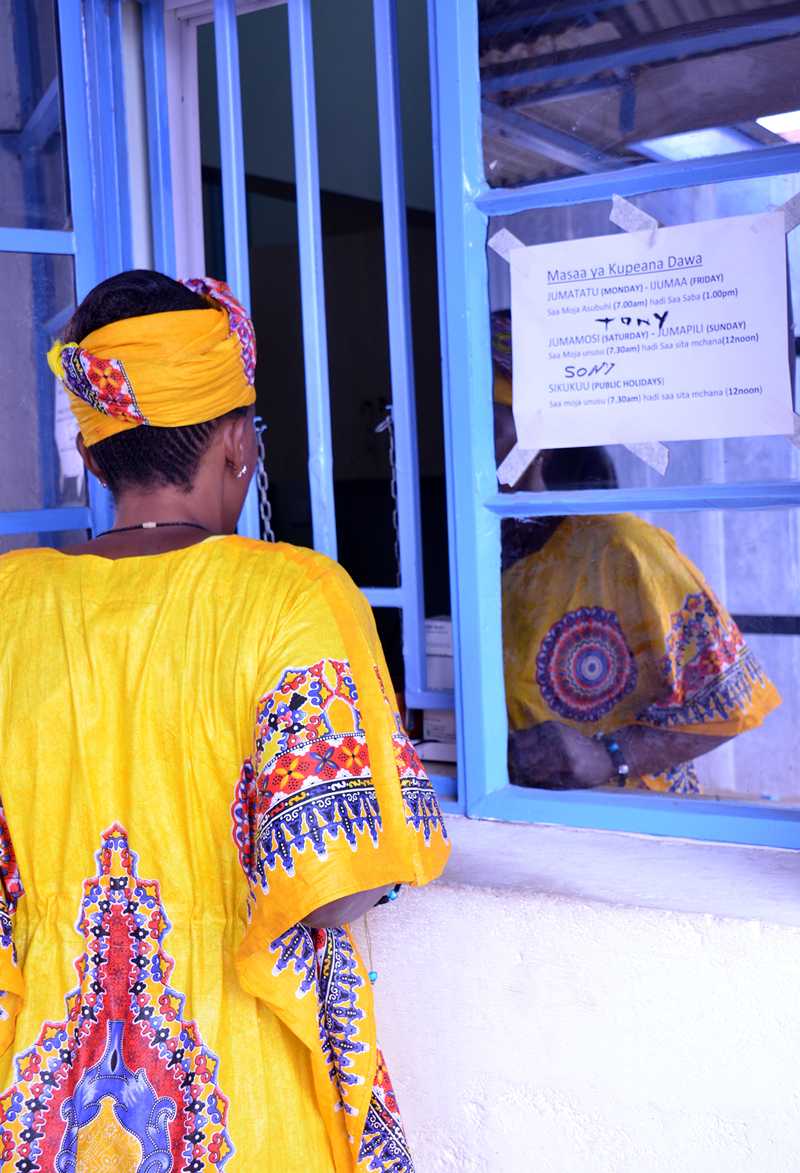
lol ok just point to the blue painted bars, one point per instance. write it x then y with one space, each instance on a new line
312 284
155 73
234 192
80 115
404 416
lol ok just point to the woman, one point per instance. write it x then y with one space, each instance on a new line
621 665
203 763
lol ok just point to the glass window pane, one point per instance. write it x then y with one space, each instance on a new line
272 233
355 282
36 294
678 634
712 461
570 89
33 175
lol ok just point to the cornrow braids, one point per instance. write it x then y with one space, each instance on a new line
144 457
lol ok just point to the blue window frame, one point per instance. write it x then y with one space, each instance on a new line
93 231
465 203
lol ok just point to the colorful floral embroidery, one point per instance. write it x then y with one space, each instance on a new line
313 781
584 667
419 798
295 950
244 821
708 670
683 779
325 963
100 382
339 983
10 886
125 1041
384 1148
240 323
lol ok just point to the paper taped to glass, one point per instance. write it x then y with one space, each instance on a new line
624 339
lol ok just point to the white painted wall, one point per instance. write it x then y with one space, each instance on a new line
533 1028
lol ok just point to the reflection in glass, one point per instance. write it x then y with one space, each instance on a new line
608 629
580 88
33 180
768 458
622 666
36 295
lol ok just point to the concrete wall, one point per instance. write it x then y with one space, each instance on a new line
541 1026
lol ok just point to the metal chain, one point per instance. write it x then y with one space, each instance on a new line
262 484
387 425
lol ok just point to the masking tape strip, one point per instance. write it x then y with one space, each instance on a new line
504 242
519 460
632 219
791 213
516 464
652 452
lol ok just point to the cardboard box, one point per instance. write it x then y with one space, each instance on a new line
440 672
439 636
439 725
436 751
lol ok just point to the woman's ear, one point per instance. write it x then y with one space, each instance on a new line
237 441
88 460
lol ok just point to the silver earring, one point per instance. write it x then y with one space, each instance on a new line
242 472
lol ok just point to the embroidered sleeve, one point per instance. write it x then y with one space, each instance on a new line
710 674
313 778
696 672
333 799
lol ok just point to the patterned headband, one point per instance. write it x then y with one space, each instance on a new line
104 384
240 322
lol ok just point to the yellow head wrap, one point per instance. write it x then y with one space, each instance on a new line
501 390
501 357
166 370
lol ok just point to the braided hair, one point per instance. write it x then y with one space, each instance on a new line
144 457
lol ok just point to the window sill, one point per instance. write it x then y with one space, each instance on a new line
638 871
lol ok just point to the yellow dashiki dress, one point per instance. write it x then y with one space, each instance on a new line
609 625
199 749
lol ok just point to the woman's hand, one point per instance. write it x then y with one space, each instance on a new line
553 756
344 911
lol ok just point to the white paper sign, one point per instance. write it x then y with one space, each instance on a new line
677 334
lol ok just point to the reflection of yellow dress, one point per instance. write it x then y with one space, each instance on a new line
608 624
199 748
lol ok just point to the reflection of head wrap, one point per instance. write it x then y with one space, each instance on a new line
501 356
166 370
